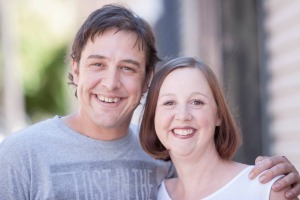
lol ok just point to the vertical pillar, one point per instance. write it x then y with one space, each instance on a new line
14 113
200 28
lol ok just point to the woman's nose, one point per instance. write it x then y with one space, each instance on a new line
183 113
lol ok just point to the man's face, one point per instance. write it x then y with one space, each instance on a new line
110 80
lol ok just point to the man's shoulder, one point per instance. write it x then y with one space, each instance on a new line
135 128
27 134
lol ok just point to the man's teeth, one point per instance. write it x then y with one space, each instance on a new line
183 131
109 100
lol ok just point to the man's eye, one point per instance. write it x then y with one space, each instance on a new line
98 64
125 68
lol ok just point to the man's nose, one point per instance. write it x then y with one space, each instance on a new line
111 79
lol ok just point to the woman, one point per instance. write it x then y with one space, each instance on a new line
187 120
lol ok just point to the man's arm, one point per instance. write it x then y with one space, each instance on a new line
274 166
280 195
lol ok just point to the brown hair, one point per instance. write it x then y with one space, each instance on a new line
227 137
123 19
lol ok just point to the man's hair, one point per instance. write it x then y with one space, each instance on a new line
227 137
123 19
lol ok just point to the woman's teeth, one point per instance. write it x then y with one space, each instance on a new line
183 131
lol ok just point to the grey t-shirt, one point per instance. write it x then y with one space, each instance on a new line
51 161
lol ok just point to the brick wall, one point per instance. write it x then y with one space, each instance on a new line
282 46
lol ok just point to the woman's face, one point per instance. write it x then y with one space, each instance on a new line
186 113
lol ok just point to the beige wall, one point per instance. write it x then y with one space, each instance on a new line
201 32
282 26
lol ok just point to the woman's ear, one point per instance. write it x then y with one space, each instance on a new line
218 119
218 122
75 71
147 82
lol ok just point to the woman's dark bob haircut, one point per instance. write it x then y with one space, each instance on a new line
227 137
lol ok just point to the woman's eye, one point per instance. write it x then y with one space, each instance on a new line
197 102
168 103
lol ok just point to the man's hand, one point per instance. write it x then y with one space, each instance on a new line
274 166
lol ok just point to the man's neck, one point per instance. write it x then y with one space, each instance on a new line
91 130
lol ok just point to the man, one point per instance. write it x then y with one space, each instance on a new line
94 153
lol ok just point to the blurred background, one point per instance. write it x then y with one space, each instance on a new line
253 46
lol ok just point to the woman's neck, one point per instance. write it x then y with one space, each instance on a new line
202 176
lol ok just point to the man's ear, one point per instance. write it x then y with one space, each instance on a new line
147 81
75 71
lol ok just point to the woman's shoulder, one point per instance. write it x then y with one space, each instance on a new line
165 189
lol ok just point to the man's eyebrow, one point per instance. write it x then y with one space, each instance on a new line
131 61
136 63
95 56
